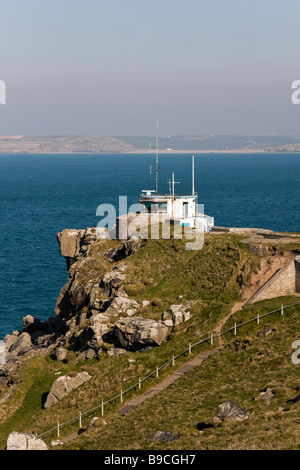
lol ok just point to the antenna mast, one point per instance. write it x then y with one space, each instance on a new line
193 175
157 168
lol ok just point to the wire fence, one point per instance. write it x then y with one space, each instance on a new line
120 396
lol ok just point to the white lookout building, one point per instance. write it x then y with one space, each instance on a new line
179 208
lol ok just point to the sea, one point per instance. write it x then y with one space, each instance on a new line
40 195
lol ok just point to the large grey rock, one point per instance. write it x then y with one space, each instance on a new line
122 306
92 336
61 354
21 441
176 315
69 242
229 411
21 345
9 340
113 279
73 244
63 386
135 333
87 354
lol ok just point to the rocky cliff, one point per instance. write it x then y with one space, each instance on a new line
93 314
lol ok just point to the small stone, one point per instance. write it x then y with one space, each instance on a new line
163 436
56 443
267 330
266 395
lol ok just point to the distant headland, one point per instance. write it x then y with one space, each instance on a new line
21 144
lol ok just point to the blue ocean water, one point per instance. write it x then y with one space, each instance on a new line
41 195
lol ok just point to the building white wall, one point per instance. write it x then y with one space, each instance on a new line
179 205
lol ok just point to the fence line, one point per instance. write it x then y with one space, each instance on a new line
120 396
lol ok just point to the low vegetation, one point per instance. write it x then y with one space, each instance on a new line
247 366
164 273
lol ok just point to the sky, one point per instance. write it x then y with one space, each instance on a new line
109 67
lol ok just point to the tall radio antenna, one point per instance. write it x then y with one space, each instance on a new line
157 168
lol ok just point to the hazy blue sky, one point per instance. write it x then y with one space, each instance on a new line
108 67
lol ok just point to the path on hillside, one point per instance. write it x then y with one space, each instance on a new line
266 270
151 392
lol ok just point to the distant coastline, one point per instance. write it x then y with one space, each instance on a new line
94 145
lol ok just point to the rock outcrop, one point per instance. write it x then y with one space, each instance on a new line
61 354
21 345
126 249
176 315
21 441
122 306
136 333
65 385
92 305
73 244
229 411
88 305
9 340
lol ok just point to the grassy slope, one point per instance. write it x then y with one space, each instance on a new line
230 375
161 271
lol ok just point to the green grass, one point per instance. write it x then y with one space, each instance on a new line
161 271
230 375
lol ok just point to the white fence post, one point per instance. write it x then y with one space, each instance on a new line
211 338
257 319
121 396
282 310
190 348
235 328
102 408
140 384
173 360
157 372
80 422
57 429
